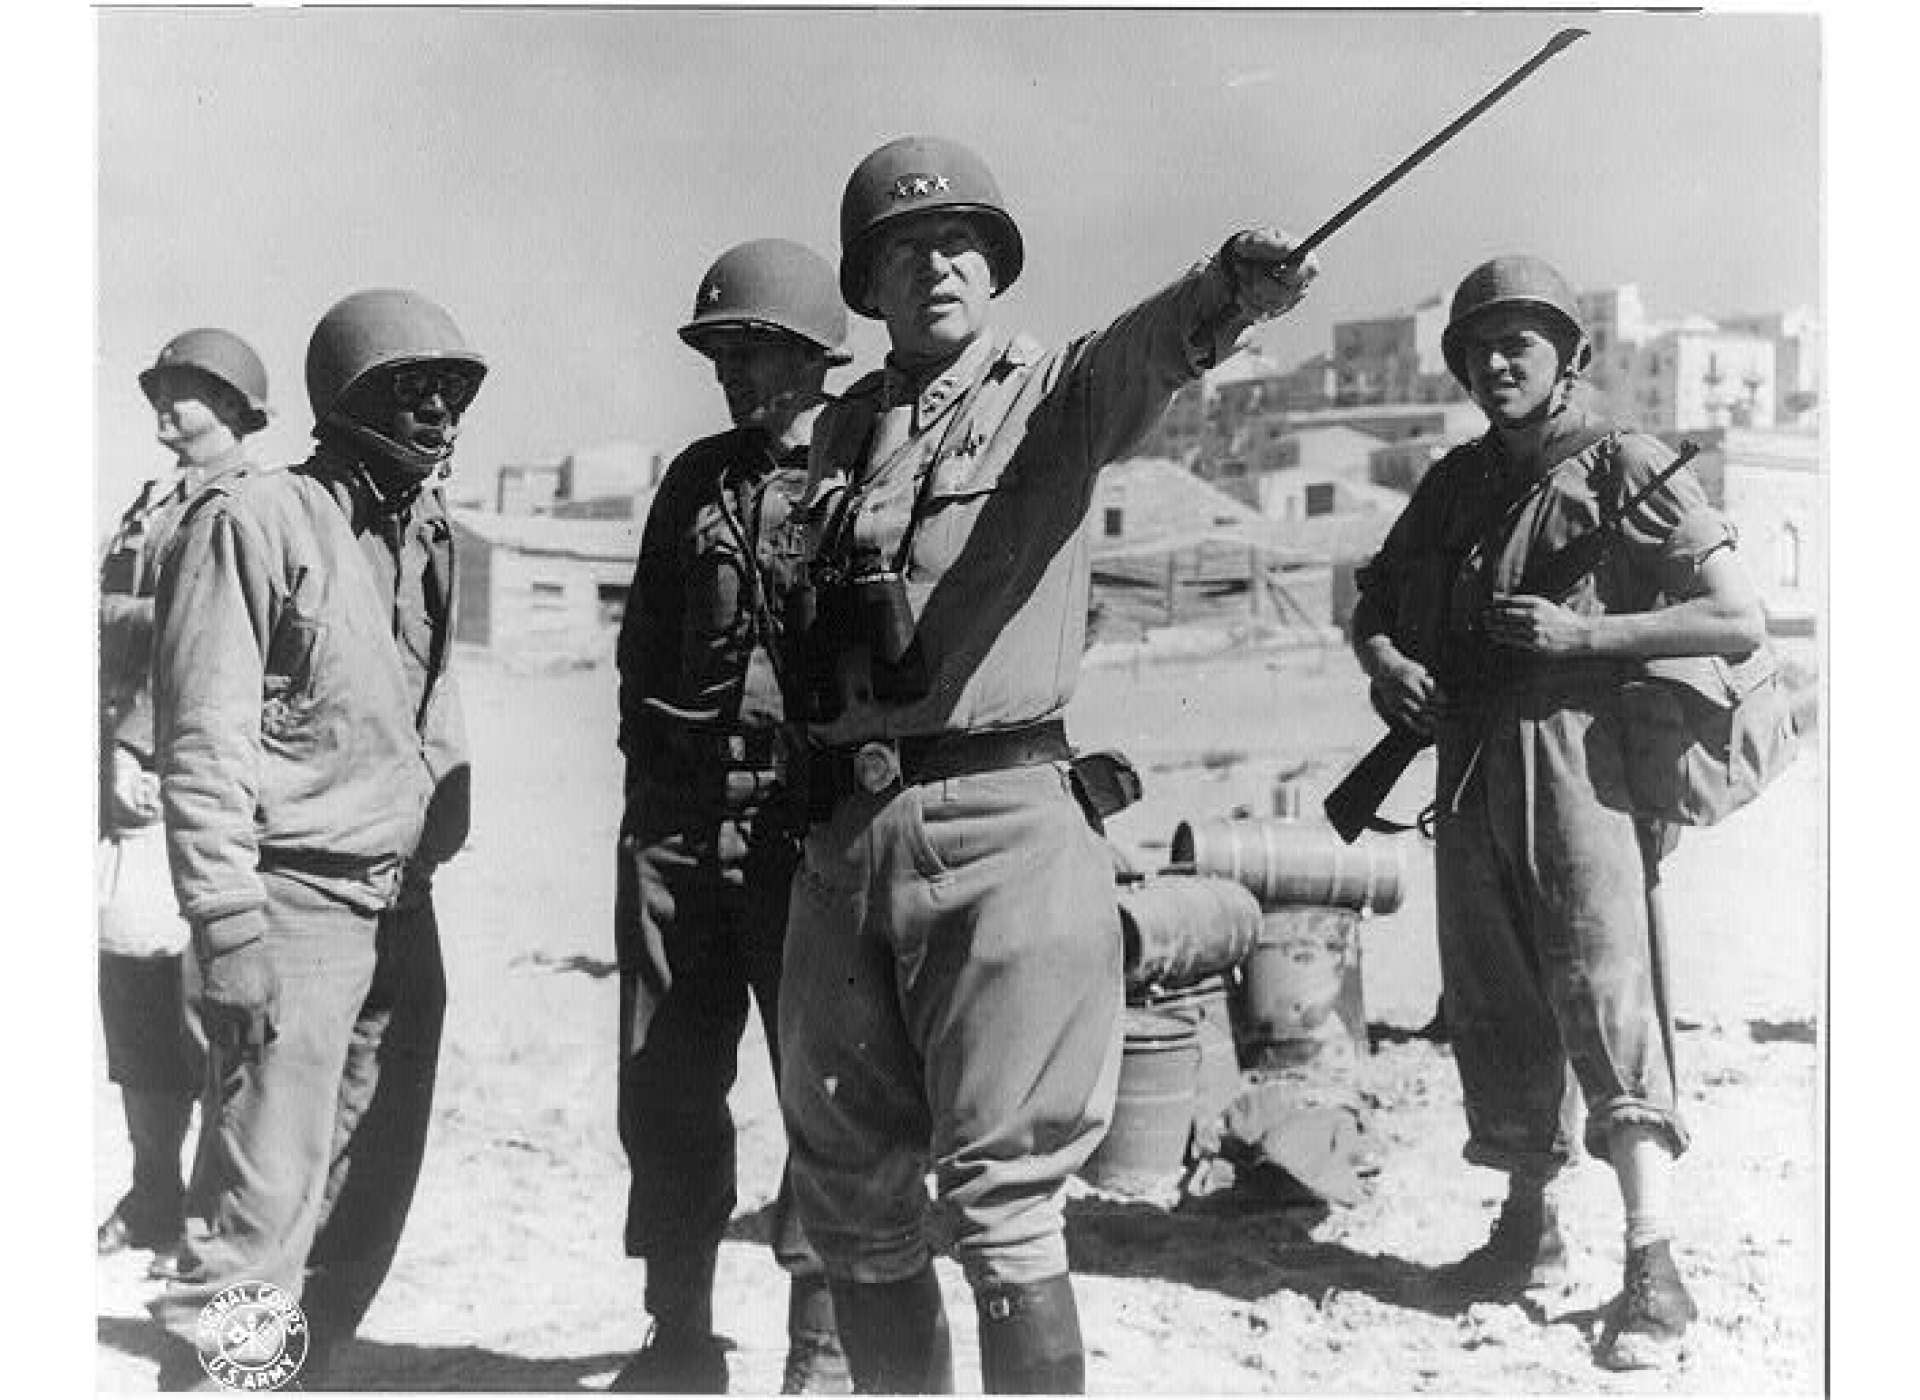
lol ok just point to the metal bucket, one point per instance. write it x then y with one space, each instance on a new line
1204 1006
1181 929
1146 1146
1301 1001
1287 862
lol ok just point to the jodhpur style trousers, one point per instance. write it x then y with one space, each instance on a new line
952 999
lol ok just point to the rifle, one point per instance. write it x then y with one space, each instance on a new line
1557 574
1352 806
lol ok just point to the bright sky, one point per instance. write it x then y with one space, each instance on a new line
561 179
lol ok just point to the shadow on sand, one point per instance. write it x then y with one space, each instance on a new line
397 1366
1223 1244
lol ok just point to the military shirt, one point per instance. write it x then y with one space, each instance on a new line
994 460
700 640
1477 528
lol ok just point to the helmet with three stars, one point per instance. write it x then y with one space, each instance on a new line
770 284
914 175
1511 280
221 356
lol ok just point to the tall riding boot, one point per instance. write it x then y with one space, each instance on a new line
1030 1338
681 1355
895 1335
815 1363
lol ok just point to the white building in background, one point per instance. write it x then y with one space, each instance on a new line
541 587
1772 485
1797 353
1741 371
1699 376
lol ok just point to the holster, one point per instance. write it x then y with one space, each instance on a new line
1104 783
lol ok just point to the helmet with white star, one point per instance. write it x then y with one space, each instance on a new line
770 284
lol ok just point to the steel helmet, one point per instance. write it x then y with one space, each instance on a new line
1513 279
221 355
770 284
375 330
910 176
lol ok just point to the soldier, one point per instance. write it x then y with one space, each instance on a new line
1549 926
712 827
209 392
314 775
953 979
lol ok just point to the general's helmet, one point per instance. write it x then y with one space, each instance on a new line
220 355
1513 279
377 330
770 284
910 176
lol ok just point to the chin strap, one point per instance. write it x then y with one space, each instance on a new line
405 457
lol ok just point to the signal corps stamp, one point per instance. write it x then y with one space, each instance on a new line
252 1337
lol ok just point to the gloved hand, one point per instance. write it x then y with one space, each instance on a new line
240 997
133 793
1265 281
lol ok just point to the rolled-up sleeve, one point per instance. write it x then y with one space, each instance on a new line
214 614
1675 529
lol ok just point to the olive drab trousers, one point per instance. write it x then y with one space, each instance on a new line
310 1154
1551 938
266 1136
952 1001
700 918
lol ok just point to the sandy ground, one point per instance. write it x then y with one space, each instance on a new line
511 1276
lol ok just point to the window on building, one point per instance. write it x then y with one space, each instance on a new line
613 602
546 593
1319 496
1787 556
1114 521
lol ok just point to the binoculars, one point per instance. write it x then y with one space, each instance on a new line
832 614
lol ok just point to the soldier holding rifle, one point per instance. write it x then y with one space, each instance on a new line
1551 935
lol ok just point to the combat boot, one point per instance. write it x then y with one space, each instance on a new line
1647 1322
681 1355
895 1335
815 1363
1030 1338
1524 1253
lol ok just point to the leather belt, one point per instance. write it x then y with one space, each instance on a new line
883 764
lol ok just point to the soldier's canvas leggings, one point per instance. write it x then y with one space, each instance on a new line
1550 942
952 998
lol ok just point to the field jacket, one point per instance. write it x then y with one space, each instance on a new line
288 732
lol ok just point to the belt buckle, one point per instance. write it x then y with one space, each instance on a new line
876 767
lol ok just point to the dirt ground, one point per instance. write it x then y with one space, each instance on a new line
511 1276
